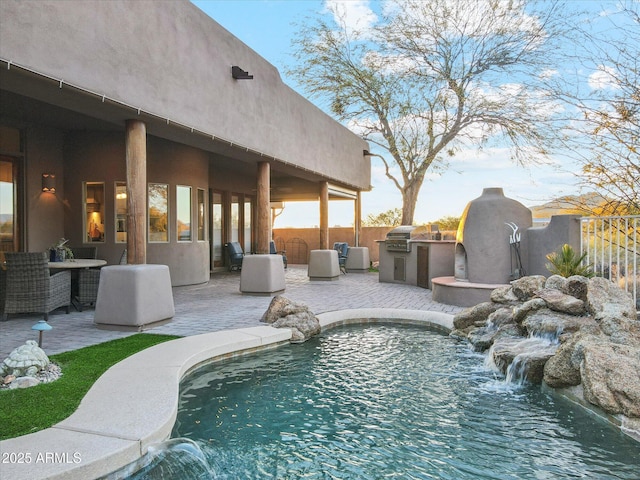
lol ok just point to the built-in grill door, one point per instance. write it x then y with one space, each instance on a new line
399 269
423 267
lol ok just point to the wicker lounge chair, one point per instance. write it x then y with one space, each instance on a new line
30 288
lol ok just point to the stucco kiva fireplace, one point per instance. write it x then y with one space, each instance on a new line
496 244
486 239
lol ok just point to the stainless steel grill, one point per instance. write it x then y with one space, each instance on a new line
398 239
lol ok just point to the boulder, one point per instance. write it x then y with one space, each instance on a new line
304 325
611 378
604 294
469 316
522 358
503 295
285 313
500 317
482 338
577 286
556 282
563 369
525 288
545 322
24 382
561 302
281 307
520 312
619 329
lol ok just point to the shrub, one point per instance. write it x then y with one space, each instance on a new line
567 262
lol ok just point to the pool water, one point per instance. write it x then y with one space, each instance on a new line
385 401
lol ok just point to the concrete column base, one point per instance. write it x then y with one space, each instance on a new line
324 265
134 297
357 260
262 274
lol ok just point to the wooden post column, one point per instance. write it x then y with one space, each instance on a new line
263 208
357 224
136 160
324 215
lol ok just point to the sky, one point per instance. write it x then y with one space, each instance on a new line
268 26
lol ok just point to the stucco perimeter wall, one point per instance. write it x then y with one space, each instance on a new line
170 59
311 236
368 238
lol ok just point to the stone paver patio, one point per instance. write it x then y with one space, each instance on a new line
219 305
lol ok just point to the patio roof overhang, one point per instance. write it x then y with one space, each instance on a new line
29 97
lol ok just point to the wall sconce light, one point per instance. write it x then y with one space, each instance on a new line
49 182
239 74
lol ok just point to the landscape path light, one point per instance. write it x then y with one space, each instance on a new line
42 326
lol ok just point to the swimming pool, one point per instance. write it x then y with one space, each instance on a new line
382 401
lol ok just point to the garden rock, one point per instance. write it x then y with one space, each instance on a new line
525 288
611 378
469 316
284 313
604 294
561 302
577 286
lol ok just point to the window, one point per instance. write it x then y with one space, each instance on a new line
94 211
216 230
11 186
121 212
235 218
183 213
201 215
247 225
158 212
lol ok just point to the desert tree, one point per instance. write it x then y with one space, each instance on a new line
390 218
426 79
604 100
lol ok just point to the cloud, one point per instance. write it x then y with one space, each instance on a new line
356 15
603 78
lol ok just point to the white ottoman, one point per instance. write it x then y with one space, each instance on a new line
357 260
134 297
324 265
262 274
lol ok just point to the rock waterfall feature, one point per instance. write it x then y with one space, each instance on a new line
577 334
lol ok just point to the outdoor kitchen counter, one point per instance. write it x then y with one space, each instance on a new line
421 261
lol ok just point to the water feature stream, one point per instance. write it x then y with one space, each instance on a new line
382 401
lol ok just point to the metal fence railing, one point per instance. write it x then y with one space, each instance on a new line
612 245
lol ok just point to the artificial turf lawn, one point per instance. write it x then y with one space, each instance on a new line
27 410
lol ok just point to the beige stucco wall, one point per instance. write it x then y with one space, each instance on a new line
100 157
44 211
170 59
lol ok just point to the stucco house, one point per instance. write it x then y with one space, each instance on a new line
146 125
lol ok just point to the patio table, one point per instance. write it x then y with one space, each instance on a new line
75 264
